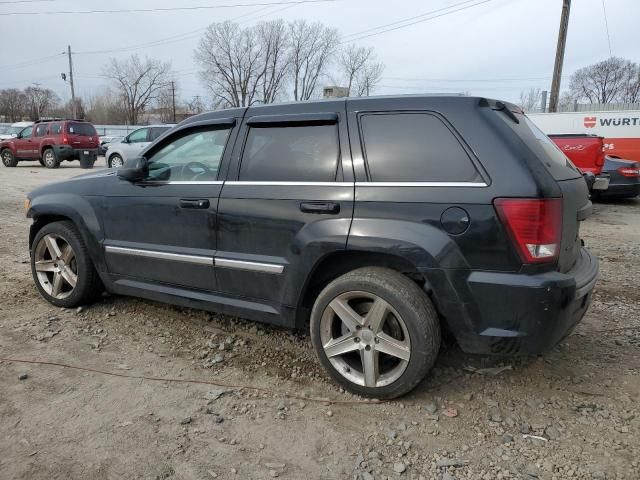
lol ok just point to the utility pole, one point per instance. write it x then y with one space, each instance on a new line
73 94
173 99
557 68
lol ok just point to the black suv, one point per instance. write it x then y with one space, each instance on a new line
378 222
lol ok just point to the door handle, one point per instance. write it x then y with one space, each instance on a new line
194 203
320 207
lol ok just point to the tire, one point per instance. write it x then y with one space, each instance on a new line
41 161
115 161
8 159
408 326
49 159
54 273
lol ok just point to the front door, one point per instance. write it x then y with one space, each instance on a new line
25 144
288 204
163 229
136 141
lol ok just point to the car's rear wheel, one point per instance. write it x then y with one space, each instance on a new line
115 161
8 159
61 266
49 159
376 332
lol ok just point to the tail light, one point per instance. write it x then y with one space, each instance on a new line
629 171
65 139
534 225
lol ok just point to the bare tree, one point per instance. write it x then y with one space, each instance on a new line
196 105
602 82
164 103
631 85
138 82
41 101
360 69
13 104
312 48
530 99
106 108
275 57
230 58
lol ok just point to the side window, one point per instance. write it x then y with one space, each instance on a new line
293 154
55 128
156 132
41 129
192 157
26 133
414 147
139 136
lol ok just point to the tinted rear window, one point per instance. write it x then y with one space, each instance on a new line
81 128
291 154
556 162
414 147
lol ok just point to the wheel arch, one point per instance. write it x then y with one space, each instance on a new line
44 147
340 262
81 214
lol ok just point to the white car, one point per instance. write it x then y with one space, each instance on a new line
130 146
13 130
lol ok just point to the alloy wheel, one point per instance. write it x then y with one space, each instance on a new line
6 157
116 161
49 158
55 266
365 339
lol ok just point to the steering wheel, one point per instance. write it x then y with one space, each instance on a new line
191 166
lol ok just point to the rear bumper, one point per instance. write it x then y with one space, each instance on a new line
511 313
66 152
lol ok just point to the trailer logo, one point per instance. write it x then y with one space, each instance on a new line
589 122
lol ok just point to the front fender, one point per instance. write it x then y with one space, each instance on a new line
82 211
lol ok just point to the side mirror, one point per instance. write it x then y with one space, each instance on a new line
15 135
125 140
134 170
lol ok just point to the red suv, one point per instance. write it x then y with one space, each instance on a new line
51 142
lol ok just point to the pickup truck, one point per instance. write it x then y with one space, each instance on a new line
586 152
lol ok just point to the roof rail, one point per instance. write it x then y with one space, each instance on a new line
41 120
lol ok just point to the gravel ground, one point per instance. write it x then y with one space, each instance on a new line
570 414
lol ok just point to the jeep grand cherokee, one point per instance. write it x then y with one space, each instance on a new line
374 222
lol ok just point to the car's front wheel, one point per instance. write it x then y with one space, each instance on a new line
115 161
49 159
61 266
8 159
376 332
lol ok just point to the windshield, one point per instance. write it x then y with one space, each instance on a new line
13 130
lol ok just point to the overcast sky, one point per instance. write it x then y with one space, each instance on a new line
496 48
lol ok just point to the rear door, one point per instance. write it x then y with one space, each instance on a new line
39 133
287 201
82 135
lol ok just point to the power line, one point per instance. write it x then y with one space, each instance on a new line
26 1
29 63
168 9
407 19
606 25
415 22
187 35
467 79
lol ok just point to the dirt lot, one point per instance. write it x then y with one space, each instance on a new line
581 400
